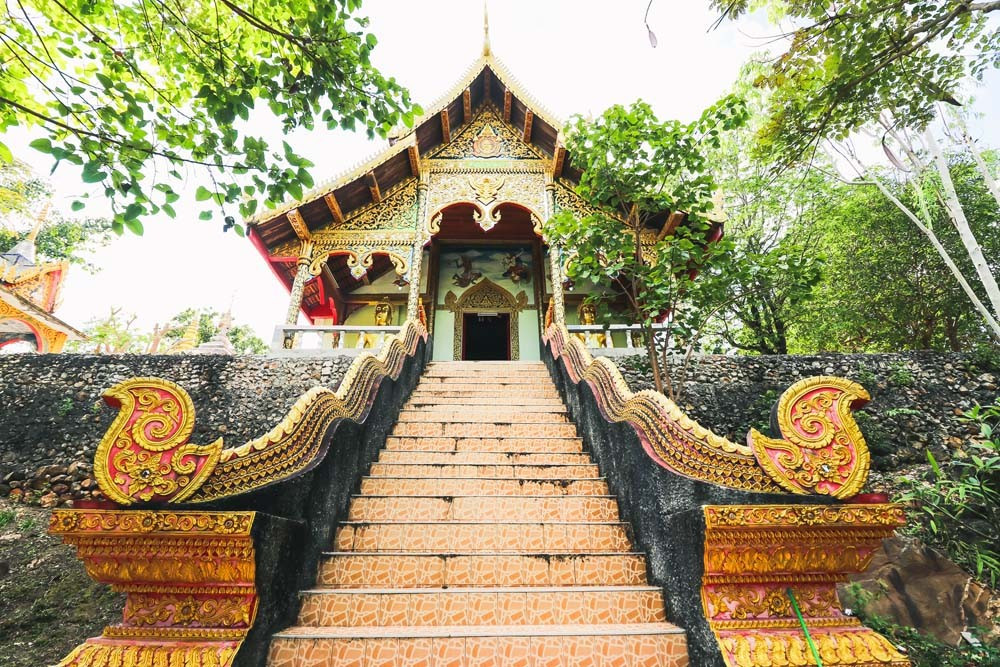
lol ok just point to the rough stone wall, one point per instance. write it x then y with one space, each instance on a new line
916 397
52 415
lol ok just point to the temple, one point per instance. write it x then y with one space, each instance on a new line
449 221
436 509
29 293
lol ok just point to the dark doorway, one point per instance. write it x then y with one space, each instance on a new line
486 336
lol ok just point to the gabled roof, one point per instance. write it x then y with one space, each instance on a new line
486 82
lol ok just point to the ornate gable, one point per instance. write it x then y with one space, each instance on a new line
487 137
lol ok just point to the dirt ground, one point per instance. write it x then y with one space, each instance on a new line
48 604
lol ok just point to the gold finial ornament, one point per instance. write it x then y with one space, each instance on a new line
486 29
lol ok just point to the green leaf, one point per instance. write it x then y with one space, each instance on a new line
205 215
77 206
202 193
43 145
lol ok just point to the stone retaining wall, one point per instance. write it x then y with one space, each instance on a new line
52 415
917 397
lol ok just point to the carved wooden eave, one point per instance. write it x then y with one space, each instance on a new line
486 82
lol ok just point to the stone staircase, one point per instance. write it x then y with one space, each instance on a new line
484 535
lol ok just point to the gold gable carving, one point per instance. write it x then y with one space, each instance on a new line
487 137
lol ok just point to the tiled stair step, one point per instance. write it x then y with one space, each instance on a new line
480 392
467 415
481 458
507 390
461 444
466 486
475 402
522 429
354 569
490 470
437 374
476 606
488 381
633 645
483 508
552 537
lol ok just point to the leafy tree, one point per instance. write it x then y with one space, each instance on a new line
135 91
114 334
884 67
847 62
885 288
769 217
117 334
23 198
635 169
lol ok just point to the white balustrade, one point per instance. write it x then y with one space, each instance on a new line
598 336
329 339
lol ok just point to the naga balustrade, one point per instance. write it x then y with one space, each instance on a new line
338 338
184 529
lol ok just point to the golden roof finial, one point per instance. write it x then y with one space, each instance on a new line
39 223
486 29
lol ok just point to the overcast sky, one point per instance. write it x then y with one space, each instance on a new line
573 56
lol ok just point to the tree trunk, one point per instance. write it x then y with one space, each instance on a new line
991 320
957 214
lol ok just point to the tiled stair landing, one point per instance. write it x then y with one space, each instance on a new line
484 535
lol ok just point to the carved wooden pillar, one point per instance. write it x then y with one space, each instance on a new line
555 259
302 275
413 300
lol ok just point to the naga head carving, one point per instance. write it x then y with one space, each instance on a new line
822 450
145 455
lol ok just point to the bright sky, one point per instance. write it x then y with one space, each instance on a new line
573 56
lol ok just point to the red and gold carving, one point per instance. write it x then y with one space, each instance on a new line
145 456
188 577
822 452
755 554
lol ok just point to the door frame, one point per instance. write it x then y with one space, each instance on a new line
468 313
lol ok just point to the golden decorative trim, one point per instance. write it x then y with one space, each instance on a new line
755 554
817 426
171 565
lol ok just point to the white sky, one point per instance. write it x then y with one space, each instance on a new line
573 56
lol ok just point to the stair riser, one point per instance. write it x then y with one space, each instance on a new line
666 650
486 471
513 445
458 538
503 390
419 571
486 608
485 402
381 486
486 508
465 415
473 430
479 458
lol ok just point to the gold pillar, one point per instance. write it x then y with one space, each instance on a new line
555 259
413 298
302 275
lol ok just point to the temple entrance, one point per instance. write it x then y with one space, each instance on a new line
486 337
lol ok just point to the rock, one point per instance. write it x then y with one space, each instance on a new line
16 494
49 500
916 586
60 488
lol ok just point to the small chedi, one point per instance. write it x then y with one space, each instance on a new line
492 498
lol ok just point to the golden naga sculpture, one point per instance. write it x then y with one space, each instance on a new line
821 450
145 455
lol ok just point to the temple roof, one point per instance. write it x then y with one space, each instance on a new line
486 83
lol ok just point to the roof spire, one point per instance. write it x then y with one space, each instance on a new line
486 29
39 222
